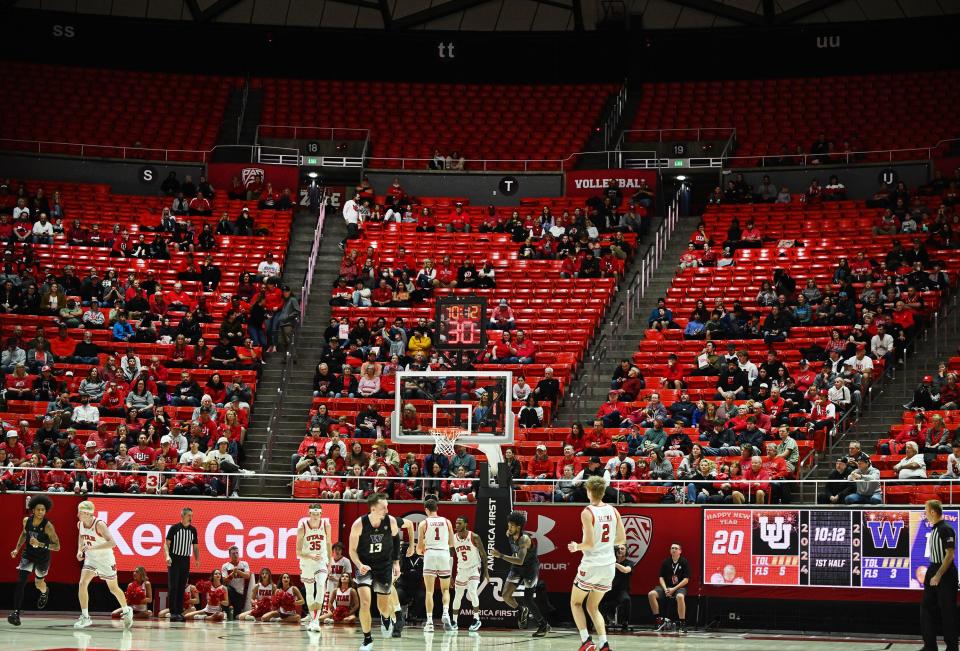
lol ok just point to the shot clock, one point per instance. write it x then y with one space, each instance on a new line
461 323
883 548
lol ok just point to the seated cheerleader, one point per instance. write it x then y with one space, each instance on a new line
139 595
216 595
261 600
287 603
344 603
191 597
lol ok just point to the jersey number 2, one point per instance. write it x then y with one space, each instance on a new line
605 533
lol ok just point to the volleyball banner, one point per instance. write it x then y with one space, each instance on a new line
590 183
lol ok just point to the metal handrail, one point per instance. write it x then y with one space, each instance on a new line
556 165
637 289
526 484
612 122
698 134
331 131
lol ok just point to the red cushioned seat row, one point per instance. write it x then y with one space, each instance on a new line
110 107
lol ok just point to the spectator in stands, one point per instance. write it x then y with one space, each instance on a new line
913 465
548 388
837 486
926 396
369 424
866 479
661 314
758 481
937 439
170 185
502 316
953 462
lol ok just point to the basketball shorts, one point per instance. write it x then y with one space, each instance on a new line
528 581
104 566
437 562
314 571
467 574
378 579
594 578
39 568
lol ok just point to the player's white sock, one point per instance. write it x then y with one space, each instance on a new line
85 612
601 640
584 634
315 614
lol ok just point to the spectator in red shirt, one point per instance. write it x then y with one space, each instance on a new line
777 468
755 472
458 221
426 222
540 466
446 274
14 449
569 458
526 349
599 441
674 375
142 454
502 317
609 412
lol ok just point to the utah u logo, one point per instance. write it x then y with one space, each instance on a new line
885 534
776 534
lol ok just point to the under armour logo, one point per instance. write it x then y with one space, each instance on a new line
544 526
777 534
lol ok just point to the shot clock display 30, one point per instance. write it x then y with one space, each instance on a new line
461 322
823 548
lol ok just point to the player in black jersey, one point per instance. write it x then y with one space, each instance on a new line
525 569
37 539
375 551
395 627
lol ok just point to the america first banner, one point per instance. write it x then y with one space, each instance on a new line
589 183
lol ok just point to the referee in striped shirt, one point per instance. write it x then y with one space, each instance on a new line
940 585
182 540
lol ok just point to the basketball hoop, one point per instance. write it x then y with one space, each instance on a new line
445 438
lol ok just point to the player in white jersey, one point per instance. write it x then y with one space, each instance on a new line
602 532
435 539
95 548
313 549
471 563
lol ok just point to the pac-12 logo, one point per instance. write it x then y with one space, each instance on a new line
251 175
639 531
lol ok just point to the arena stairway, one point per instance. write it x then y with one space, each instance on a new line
626 342
306 356
886 406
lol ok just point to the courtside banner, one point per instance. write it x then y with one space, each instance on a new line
590 183
265 532
221 176
650 532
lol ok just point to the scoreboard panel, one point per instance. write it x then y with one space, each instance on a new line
882 548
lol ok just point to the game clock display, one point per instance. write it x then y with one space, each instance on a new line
821 548
461 322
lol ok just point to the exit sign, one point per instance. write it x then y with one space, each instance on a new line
679 162
312 161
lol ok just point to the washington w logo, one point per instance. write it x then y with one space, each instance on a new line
639 531
251 175
775 534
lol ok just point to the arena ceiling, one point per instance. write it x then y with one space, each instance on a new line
503 15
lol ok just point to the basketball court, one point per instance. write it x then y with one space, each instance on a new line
49 633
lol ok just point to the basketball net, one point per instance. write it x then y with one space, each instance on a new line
445 438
